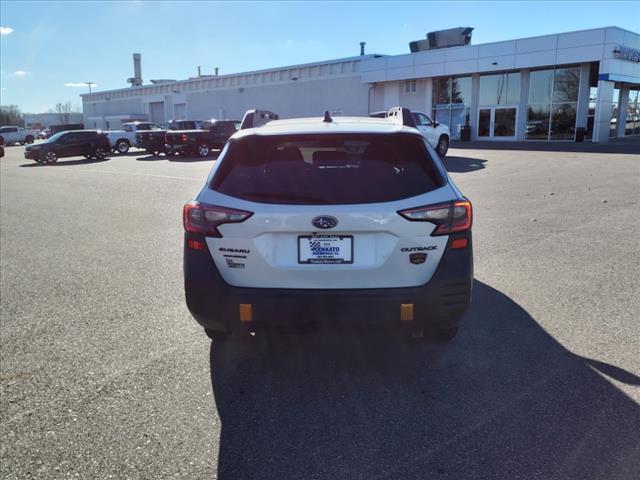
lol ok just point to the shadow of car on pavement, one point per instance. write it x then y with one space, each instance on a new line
178 158
502 400
63 162
463 164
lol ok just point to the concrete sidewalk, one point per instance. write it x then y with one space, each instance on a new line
616 145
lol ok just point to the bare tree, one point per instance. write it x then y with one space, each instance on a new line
11 115
64 111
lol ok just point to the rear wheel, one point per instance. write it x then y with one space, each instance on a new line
29 139
446 334
443 145
218 336
122 146
203 150
100 153
50 157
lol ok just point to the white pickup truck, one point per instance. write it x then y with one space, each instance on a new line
122 140
19 135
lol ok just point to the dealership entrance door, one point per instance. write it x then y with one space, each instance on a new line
497 123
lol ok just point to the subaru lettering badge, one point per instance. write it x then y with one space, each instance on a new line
324 222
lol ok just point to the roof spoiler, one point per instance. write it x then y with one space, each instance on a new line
256 118
401 116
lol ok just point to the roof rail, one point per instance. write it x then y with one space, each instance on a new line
401 116
256 118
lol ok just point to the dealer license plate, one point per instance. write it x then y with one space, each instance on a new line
325 249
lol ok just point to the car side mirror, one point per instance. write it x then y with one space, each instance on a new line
435 124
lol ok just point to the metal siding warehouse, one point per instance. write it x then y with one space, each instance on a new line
537 88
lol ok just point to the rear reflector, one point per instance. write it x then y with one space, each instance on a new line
460 243
449 217
246 312
406 312
195 244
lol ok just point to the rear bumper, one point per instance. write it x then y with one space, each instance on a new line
179 148
440 303
150 143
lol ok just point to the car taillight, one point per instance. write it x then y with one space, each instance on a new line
449 217
205 219
185 138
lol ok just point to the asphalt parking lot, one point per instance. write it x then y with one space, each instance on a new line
104 374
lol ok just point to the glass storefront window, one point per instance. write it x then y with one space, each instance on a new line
441 91
500 89
613 122
563 121
633 113
538 122
566 84
461 90
451 98
553 97
540 86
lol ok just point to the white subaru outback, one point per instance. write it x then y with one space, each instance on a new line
348 216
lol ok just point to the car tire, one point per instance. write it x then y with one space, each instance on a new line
100 153
443 145
29 139
203 150
218 336
122 146
446 334
49 157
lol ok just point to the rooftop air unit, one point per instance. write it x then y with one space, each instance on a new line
454 37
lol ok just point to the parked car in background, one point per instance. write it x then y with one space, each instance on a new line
184 124
13 135
436 133
152 141
1 146
155 141
122 140
44 134
75 143
212 136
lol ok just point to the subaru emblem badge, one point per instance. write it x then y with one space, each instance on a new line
324 222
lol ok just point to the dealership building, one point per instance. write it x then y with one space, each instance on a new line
546 88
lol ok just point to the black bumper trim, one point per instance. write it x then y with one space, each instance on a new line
441 302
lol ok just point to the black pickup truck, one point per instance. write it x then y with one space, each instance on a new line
213 134
153 141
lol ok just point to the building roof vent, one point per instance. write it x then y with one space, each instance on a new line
454 37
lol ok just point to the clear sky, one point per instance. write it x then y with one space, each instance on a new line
45 45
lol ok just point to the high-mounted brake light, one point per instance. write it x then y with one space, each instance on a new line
205 219
449 217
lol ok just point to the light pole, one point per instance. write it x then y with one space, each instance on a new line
89 85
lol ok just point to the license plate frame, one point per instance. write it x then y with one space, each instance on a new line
325 261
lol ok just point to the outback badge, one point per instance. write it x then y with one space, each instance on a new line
418 258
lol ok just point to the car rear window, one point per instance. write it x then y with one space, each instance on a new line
327 169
